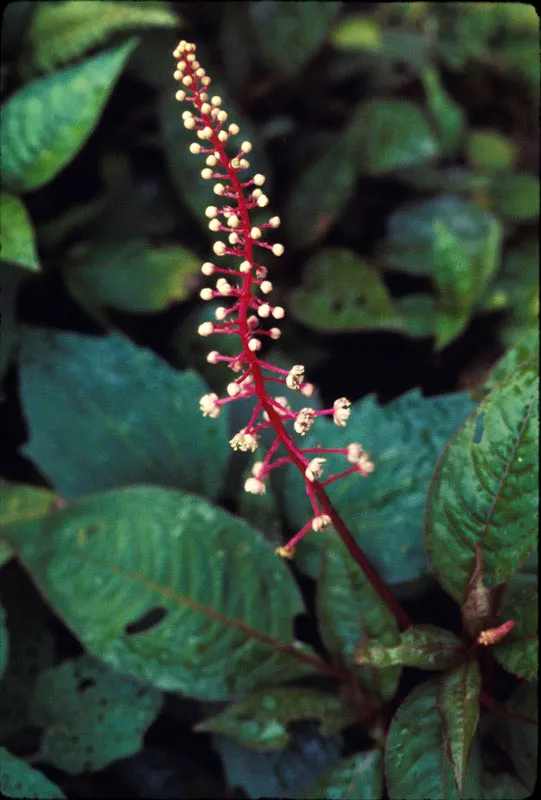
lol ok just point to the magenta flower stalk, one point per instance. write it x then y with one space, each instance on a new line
246 288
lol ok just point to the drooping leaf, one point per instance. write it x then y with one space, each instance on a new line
135 277
4 642
348 610
484 490
342 293
19 504
45 124
411 232
460 278
518 651
359 776
18 241
393 134
448 116
517 736
169 589
286 774
19 780
323 189
458 704
422 646
416 764
104 413
385 510
290 34
90 716
61 32
260 720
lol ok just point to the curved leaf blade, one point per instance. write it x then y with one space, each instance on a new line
134 418
169 589
484 490
19 780
423 646
45 124
18 504
18 241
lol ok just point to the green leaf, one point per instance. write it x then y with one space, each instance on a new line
19 504
342 293
484 490
61 32
359 776
518 651
458 704
286 774
90 716
169 589
260 720
415 759
384 511
290 34
135 277
516 736
18 242
134 418
460 278
411 233
45 124
19 780
4 642
185 168
349 609
393 134
323 189
515 197
489 151
423 646
418 312
449 118
526 349
357 33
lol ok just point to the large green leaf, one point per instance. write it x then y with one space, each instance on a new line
289 34
18 504
358 777
518 651
385 510
260 720
484 490
133 276
286 774
90 716
349 610
19 780
515 197
415 759
18 242
525 349
393 134
423 646
61 32
342 293
449 118
104 413
45 124
458 704
489 151
411 231
517 736
167 588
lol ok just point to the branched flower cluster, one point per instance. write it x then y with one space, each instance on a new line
246 288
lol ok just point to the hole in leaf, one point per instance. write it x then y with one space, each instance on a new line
337 306
146 621
479 428
86 683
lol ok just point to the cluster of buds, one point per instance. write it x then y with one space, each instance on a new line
246 288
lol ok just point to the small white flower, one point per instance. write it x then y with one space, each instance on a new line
205 329
354 452
305 420
342 411
254 486
314 469
294 377
233 389
244 441
365 466
278 249
323 521
209 405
